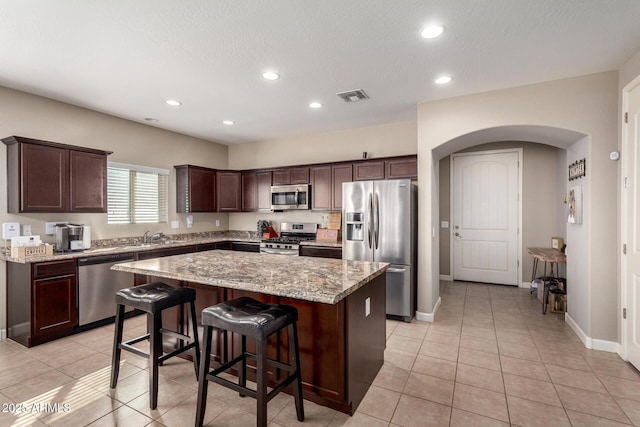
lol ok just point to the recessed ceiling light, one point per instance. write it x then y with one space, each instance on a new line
270 75
173 102
443 80
228 122
150 119
315 105
432 31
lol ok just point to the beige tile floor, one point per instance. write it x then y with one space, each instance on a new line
490 359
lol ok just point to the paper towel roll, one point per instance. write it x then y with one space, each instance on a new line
86 237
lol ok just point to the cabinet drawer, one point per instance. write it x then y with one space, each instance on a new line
54 268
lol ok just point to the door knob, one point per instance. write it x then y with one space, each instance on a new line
456 227
457 234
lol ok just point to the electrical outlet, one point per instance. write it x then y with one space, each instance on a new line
217 223
175 224
50 227
26 230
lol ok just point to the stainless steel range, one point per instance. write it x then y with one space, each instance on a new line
291 234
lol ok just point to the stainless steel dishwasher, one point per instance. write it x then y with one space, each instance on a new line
97 286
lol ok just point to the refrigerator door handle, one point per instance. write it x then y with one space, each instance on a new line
370 219
377 219
396 270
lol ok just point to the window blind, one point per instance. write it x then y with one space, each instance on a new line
137 195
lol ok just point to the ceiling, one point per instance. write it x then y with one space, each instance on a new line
126 58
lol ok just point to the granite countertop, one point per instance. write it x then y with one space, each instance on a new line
129 245
312 279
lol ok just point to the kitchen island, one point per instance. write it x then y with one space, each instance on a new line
341 309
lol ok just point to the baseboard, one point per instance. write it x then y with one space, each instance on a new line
429 317
3 334
446 278
591 343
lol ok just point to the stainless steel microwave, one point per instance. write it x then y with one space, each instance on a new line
290 197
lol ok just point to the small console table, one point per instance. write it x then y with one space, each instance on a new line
547 255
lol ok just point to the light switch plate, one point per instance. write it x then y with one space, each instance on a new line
444 224
10 229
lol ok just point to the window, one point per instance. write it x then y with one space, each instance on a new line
136 194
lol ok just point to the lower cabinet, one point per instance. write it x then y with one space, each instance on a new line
41 301
321 251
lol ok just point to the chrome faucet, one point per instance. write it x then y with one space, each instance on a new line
146 238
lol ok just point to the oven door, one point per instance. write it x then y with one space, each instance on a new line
290 197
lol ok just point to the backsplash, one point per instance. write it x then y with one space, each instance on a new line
124 241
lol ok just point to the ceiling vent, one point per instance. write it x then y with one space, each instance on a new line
352 95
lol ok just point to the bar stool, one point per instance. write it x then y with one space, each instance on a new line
152 298
250 318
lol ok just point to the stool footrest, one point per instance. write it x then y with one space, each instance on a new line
137 340
132 349
176 352
174 334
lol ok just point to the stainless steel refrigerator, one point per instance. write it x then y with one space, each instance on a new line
380 224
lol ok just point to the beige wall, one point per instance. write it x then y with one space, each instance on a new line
392 139
540 200
41 118
586 105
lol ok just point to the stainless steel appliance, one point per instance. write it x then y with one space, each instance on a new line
69 237
290 197
291 234
380 224
97 286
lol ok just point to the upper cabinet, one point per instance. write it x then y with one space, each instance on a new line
249 191
229 191
264 180
297 175
402 167
364 171
195 189
44 176
326 186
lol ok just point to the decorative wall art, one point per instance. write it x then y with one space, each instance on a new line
575 205
577 169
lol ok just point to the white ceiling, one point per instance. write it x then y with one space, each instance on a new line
126 57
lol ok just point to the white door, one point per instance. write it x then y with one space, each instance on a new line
485 217
632 234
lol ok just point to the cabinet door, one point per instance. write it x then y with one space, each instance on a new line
321 188
229 191
195 189
264 190
282 177
45 179
402 168
88 177
249 192
368 170
342 173
300 175
53 306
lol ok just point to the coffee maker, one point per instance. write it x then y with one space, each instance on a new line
69 237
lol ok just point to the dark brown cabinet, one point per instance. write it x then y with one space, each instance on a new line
229 191
402 168
326 186
45 176
364 171
249 191
340 174
195 189
321 251
41 301
297 175
321 188
264 190
88 177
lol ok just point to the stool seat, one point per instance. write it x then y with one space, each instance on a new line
249 317
154 297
